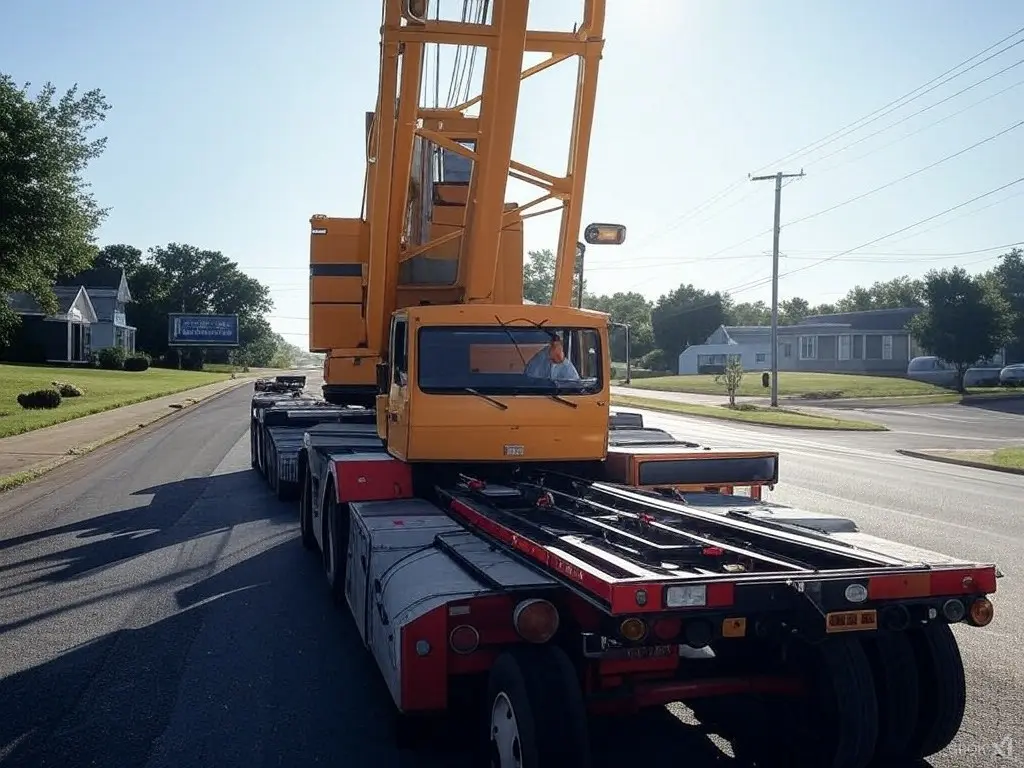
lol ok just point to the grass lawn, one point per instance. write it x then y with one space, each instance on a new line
824 386
1011 458
103 390
751 414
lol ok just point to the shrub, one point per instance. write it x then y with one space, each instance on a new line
42 398
66 389
136 362
112 358
94 359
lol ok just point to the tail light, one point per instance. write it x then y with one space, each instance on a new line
464 639
535 620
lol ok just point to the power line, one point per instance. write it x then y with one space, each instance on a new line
876 189
923 128
909 226
907 98
866 120
919 112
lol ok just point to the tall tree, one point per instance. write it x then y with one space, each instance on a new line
889 294
684 317
539 277
792 311
1007 280
963 322
750 313
634 310
48 217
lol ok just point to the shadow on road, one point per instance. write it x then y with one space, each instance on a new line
176 512
1007 404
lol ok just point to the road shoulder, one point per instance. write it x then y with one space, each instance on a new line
976 458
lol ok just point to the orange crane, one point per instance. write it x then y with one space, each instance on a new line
434 218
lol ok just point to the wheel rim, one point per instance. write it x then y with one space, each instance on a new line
506 749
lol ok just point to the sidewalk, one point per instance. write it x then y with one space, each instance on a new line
43 449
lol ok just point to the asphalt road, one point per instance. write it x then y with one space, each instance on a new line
157 609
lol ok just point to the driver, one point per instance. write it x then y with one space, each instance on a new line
551 363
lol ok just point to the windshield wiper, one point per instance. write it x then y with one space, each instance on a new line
512 339
560 399
489 399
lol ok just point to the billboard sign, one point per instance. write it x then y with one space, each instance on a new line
186 330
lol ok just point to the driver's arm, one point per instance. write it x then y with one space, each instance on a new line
565 371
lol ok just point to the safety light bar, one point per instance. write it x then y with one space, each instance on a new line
605 234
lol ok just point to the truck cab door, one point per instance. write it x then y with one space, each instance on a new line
398 396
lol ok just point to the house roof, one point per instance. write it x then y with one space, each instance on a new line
868 320
741 334
67 296
101 277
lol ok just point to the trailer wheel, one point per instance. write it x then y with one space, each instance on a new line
306 512
536 715
834 726
896 679
335 551
942 691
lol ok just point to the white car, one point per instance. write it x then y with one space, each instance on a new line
1012 375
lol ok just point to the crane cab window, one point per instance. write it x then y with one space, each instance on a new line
400 351
509 360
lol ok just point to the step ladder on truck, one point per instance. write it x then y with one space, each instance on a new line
506 543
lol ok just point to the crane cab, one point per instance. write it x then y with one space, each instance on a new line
495 383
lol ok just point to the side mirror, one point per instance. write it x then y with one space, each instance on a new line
383 378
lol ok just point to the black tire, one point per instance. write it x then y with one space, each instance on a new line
942 691
306 513
335 549
540 687
834 726
252 447
892 660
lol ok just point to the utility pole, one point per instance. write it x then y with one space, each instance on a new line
778 177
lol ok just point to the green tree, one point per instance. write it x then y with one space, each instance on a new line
1007 281
731 378
750 313
539 277
633 309
963 322
48 217
890 294
686 316
184 278
792 311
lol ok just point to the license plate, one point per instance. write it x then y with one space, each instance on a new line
650 652
851 621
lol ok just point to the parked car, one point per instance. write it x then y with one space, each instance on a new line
933 370
1012 375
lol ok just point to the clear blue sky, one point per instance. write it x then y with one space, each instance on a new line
233 121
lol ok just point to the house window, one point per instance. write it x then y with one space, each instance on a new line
760 357
787 349
887 347
845 347
808 347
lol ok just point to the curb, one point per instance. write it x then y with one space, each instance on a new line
959 462
10 482
671 412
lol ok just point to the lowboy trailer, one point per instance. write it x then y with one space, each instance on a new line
539 596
